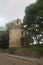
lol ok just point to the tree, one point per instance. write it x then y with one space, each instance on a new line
30 13
4 39
9 25
34 19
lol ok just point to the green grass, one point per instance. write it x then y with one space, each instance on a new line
39 50
34 48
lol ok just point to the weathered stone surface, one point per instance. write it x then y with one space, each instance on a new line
27 53
15 34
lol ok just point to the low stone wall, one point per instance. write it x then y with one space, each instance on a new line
27 53
23 53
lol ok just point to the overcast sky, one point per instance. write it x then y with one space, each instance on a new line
12 9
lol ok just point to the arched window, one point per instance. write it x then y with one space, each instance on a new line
22 33
17 22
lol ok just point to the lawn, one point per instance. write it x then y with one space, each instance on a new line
30 48
39 50
34 48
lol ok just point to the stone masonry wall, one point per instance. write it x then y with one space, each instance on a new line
14 38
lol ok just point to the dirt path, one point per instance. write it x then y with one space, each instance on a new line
6 60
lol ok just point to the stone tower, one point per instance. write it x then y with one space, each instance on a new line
15 34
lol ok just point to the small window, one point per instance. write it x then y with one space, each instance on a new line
22 32
17 22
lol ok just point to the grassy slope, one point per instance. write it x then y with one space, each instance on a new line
34 48
39 50
30 48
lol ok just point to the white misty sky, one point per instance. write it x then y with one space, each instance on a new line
12 9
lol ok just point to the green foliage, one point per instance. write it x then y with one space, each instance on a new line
34 19
39 1
40 13
30 13
9 25
4 34
4 39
